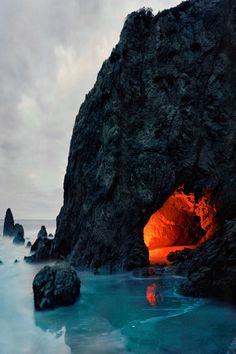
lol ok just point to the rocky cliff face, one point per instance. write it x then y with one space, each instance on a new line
211 269
162 114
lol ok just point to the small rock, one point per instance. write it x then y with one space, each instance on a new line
1 262
16 261
29 244
180 256
148 271
55 286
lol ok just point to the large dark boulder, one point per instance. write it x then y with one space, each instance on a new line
54 286
162 114
8 227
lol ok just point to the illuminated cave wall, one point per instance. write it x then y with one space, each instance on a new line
182 220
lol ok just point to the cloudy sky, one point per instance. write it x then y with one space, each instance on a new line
51 51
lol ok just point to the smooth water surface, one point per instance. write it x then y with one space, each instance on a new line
115 313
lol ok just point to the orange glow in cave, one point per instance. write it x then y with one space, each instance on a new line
183 221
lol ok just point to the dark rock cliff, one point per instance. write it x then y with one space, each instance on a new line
162 114
212 269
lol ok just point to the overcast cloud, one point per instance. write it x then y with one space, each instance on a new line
51 51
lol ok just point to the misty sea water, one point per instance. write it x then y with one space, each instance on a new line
115 314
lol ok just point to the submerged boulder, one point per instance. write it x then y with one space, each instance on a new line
8 227
54 286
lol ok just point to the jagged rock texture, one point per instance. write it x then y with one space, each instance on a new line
212 268
161 115
55 286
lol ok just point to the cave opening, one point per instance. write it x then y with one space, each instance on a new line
184 220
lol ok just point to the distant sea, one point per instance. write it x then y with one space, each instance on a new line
32 227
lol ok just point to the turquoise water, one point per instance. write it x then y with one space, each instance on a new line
115 313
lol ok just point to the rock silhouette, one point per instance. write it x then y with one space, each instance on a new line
8 227
12 229
41 247
19 234
41 237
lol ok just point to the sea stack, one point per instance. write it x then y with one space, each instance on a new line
8 227
12 229
41 247
41 238
19 234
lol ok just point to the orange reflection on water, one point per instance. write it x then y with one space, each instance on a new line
153 297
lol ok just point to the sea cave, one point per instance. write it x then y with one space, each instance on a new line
184 220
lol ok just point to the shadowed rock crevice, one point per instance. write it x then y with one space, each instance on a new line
161 115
